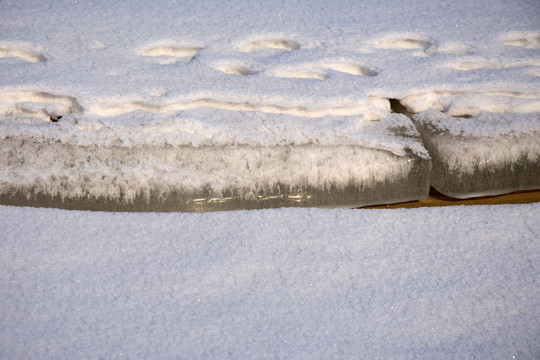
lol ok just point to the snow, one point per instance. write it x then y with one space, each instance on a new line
445 283
108 56
103 52
118 100
202 127
460 103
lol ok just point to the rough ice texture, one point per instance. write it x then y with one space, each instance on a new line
437 283
252 161
133 75
486 154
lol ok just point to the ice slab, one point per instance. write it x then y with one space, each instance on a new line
116 77
210 159
486 154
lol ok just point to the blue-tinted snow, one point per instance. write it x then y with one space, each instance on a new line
438 283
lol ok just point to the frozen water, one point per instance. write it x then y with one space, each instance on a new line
486 154
155 103
134 94
209 159
211 178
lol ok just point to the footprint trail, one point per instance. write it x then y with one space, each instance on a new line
408 41
271 43
234 67
528 40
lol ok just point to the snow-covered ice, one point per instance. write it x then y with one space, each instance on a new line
180 76
486 154
437 283
244 160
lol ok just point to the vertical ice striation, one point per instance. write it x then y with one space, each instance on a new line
486 154
209 159
159 107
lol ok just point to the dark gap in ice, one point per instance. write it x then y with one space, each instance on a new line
55 118
397 107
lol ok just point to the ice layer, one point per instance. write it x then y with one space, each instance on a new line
260 102
211 159
486 154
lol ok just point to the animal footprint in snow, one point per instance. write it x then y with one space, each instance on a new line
234 67
319 71
305 71
350 67
405 41
529 40
276 43
22 51
171 52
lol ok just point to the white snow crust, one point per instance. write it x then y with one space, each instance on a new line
431 283
205 127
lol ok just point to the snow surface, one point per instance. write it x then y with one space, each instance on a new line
102 59
437 283
206 127
111 57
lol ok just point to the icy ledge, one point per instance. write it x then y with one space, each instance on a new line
211 159
486 154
